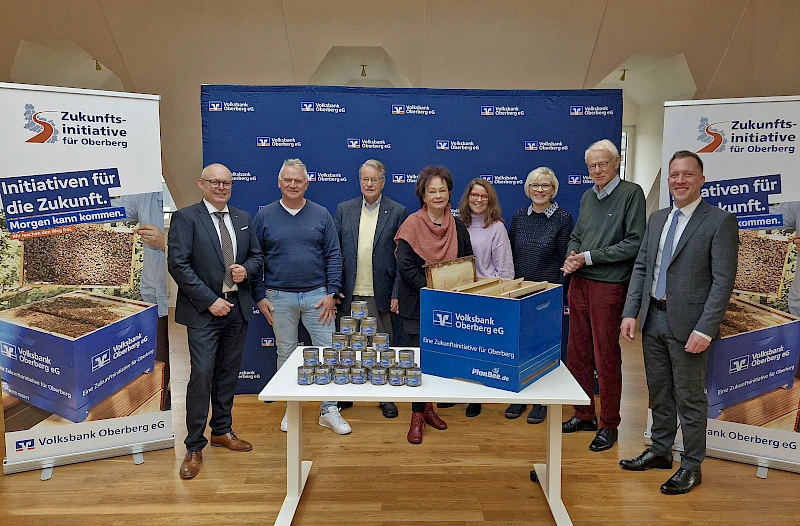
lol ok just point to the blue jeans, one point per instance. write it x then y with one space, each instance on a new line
291 308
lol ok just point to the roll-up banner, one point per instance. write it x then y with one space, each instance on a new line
83 362
752 169
498 135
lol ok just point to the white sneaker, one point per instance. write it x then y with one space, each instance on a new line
334 420
285 422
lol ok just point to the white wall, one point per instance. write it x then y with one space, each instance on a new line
647 154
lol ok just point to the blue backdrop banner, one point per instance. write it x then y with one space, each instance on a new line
498 135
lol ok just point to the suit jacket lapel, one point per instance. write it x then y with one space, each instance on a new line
658 221
208 222
698 216
383 218
354 217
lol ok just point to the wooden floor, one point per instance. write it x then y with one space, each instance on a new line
474 473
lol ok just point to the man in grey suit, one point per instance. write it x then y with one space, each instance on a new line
212 253
367 226
681 285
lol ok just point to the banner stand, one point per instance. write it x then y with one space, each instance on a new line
49 463
762 463
84 347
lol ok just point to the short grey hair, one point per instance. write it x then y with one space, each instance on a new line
297 164
543 172
604 144
375 165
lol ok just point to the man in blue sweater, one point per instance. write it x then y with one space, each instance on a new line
302 273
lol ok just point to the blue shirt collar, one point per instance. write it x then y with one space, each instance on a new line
606 191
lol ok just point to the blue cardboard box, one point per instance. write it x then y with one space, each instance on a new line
67 375
507 343
745 365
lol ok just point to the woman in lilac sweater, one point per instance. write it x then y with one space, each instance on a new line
480 211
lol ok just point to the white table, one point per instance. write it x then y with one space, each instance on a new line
555 389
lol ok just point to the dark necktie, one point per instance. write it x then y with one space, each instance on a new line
666 257
227 247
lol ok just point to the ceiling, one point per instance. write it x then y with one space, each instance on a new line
731 48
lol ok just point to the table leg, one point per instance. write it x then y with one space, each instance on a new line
296 469
549 474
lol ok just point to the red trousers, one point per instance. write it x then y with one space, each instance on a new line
595 314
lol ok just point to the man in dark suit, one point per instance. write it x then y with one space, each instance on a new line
367 226
212 253
681 285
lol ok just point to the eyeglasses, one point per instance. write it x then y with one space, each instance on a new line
213 183
373 180
540 186
602 165
479 197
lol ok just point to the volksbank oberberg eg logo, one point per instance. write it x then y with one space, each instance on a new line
8 350
278 142
412 109
101 359
546 146
442 318
404 178
324 107
574 179
739 364
442 144
583 111
327 177
369 144
508 111
501 179
27 444
220 105
268 342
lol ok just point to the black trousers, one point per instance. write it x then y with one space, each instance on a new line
216 355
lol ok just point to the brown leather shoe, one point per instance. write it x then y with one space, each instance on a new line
231 441
432 418
415 431
191 464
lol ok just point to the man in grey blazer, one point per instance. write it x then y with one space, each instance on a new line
212 254
681 285
367 226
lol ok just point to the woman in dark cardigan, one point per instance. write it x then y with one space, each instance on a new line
430 235
539 235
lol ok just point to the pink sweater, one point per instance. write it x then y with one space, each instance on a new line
492 249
